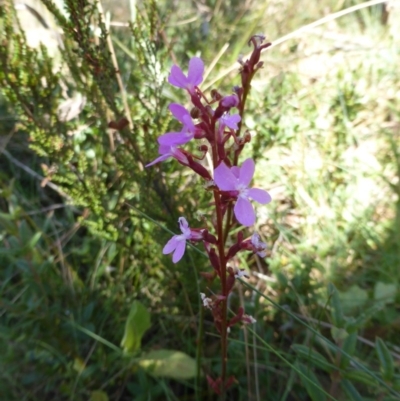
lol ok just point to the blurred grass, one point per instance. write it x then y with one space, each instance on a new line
324 113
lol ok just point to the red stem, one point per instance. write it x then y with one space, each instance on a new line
222 261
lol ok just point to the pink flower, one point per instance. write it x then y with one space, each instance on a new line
194 77
259 247
177 244
187 132
230 121
230 101
170 151
236 180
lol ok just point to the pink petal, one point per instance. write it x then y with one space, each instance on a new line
183 224
255 240
171 245
178 111
231 121
259 195
247 172
179 251
179 155
188 123
165 149
177 78
230 101
195 72
244 212
174 139
235 171
224 178
159 159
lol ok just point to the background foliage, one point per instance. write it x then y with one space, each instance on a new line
83 222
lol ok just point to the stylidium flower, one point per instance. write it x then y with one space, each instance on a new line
259 247
247 319
188 129
230 121
241 273
194 77
170 151
237 179
207 302
177 244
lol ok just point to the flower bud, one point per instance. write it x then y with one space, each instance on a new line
237 318
195 112
259 64
215 95
247 137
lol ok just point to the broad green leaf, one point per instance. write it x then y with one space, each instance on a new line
314 357
336 313
339 335
169 363
385 359
351 391
98 395
312 385
353 299
136 325
385 292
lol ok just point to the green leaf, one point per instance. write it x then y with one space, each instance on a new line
351 391
136 325
359 376
385 292
336 313
6 221
25 232
359 322
314 357
349 346
169 363
385 359
353 299
34 240
312 385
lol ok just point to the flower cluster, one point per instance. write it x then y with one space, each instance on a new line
217 123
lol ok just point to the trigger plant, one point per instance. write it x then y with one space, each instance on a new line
217 122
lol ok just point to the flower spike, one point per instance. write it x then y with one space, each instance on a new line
216 126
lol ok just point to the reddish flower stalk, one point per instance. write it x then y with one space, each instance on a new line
221 128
